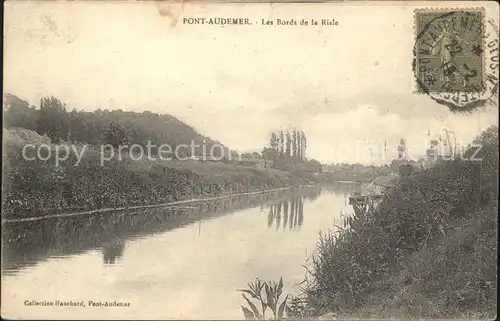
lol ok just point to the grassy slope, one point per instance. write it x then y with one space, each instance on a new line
456 277
428 250
34 188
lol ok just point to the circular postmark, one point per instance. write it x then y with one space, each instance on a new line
456 58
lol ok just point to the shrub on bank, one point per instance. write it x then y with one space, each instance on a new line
37 187
428 250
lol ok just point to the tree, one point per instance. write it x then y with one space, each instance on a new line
53 119
299 145
288 144
76 126
115 135
303 146
269 154
483 154
314 166
19 113
294 143
274 141
282 142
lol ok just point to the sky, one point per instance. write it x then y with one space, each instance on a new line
349 87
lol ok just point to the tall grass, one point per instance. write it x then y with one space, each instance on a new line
427 250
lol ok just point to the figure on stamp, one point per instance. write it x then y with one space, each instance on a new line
447 45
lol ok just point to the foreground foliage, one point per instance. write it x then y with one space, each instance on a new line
291 307
428 250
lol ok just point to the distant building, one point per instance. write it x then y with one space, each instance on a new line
255 161
440 149
207 158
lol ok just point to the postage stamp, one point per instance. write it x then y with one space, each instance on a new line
449 51
455 60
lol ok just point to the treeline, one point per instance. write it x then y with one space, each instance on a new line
287 150
115 127
356 172
291 145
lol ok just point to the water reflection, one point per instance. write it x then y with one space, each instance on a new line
113 252
26 243
289 213
178 263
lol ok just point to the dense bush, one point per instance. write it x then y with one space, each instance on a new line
427 250
32 188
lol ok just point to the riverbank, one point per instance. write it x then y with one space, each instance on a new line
28 241
429 250
40 188
173 204
125 185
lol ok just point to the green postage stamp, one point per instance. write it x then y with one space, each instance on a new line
455 56
449 51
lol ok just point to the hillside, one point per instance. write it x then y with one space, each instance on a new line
54 119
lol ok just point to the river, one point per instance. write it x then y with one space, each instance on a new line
183 262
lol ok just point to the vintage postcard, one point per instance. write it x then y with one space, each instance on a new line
262 161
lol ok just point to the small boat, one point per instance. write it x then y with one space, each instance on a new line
356 198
